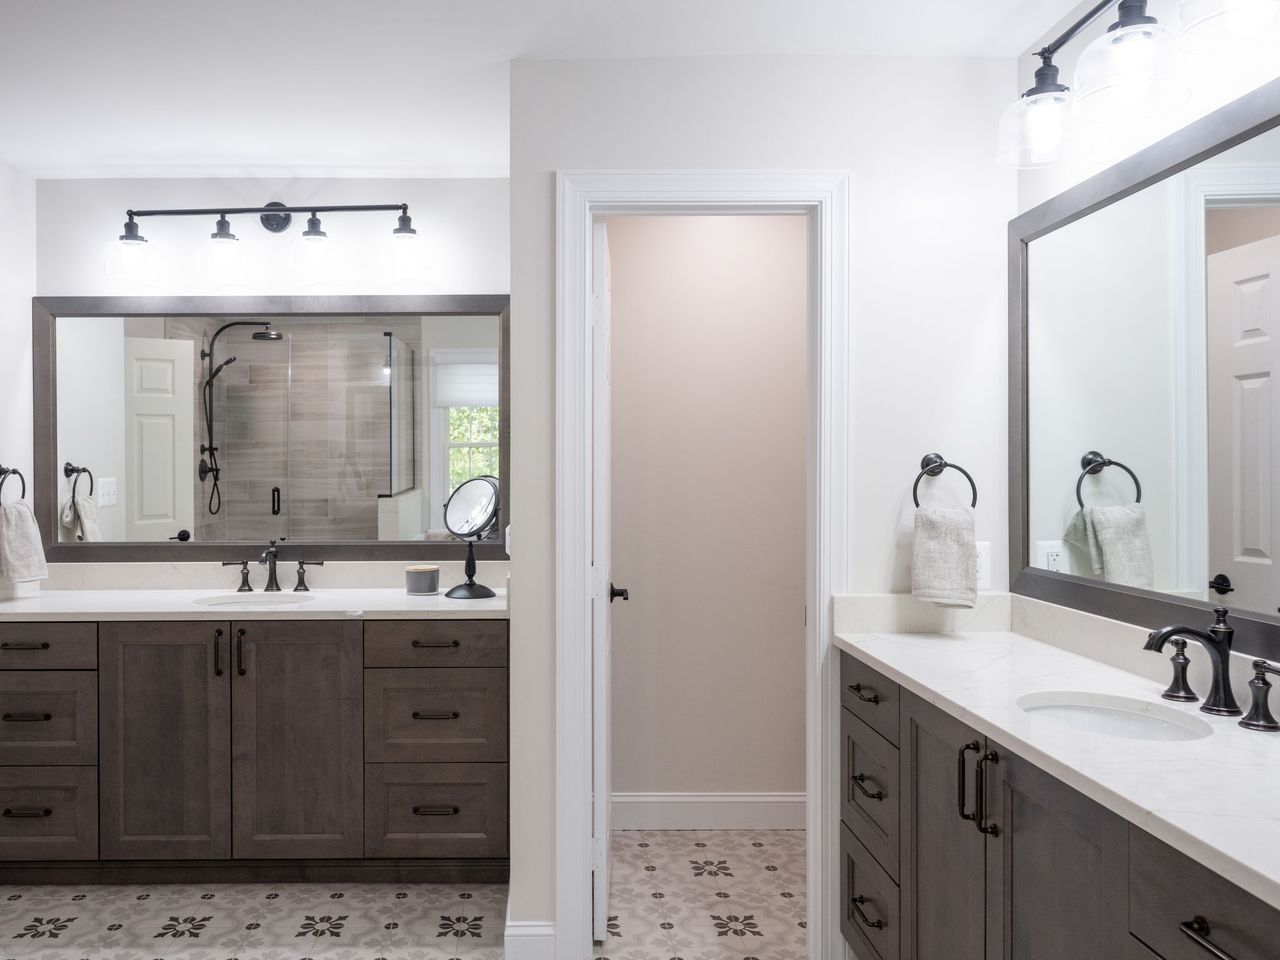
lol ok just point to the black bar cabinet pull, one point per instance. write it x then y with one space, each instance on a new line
863 919
23 645
856 690
962 790
27 813
1197 931
858 780
26 717
980 794
240 652
217 653
275 501
436 644
450 715
436 811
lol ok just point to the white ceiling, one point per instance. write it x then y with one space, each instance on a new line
386 87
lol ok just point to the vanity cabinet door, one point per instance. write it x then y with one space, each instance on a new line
943 855
165 691
1057 869
297 739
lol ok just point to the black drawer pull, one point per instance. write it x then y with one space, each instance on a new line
26 717
217 653
451 715
27 813
962 789
1197 931
863 919
240 670
856 690
436 644
23 645
858 780
436 811
980 795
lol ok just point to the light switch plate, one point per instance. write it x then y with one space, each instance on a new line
107 492
1051 555
984 565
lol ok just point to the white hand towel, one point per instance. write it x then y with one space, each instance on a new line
944 557
21 552
79 517
1117 541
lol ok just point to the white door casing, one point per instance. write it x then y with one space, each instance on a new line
601 562
158 438
581 198
1243 287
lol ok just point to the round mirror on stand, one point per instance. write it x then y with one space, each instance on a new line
471 514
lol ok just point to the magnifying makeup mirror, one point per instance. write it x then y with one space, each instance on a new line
471 514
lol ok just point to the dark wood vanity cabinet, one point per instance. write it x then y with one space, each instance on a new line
133 748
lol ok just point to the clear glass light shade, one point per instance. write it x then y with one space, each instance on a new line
1034 130
129 264
1222 27
314 263
223 265
1129 73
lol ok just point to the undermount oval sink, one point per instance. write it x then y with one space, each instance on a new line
254 600
1108 715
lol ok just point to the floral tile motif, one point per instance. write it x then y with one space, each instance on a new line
706 895
252 922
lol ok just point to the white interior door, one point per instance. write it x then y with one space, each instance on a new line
1243 293
159 417
602 779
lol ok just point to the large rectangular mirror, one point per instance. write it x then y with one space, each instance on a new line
200 430
1149 341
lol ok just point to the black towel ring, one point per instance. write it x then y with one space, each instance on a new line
1093 463
6 473
69 470
932 466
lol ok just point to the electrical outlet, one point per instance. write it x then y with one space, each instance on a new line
984 565
107 492
1051 555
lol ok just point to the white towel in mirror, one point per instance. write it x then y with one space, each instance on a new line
1117 542
80 518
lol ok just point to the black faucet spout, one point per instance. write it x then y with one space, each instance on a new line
269 557
1217 644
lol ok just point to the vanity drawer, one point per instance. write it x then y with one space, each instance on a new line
48 717
48 813
48 646
435 643
435 810
1167 889
869 780
872 697
421 716
865 887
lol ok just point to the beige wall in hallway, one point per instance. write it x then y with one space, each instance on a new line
709 419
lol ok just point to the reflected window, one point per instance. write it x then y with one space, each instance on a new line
464 424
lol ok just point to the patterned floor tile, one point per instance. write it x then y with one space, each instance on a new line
706 895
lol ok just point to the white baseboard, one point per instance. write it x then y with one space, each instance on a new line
529 940
708 811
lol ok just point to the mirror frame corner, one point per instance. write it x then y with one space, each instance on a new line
1255 113
44 314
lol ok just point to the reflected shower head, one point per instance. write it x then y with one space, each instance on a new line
268 335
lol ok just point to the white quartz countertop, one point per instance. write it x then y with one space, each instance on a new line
1216 799
367 604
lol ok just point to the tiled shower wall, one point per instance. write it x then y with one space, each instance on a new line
310 415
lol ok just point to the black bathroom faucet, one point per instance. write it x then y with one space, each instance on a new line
269 557
1217 643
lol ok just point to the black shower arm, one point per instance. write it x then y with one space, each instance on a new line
207 354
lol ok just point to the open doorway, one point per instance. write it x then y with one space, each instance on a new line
701 732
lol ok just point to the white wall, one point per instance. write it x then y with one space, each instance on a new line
929 213
17 286
710 413
462 237
1215 81
91 428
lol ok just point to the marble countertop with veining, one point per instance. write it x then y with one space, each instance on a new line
367 604
1216 799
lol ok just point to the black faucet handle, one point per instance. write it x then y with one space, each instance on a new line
1180 688
245 586
302 574
1259 716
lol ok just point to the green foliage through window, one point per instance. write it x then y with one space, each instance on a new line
473 443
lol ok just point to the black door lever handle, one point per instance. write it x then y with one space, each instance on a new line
618 593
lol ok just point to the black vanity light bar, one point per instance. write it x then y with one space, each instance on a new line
275 217
1074 30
